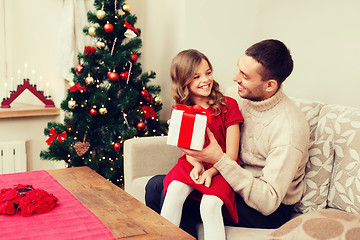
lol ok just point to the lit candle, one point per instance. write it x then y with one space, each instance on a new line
47 90
40 83
12 84
5 90
19 77
32 81
25 71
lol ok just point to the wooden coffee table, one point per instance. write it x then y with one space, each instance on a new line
125 216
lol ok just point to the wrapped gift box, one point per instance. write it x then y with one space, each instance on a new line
187 129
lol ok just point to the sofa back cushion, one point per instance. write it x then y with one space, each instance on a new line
321 155
344 123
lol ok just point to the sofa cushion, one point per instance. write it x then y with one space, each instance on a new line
317 176
344 191
320 224
319 168
137 188
311 109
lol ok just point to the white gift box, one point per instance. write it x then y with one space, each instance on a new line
187 130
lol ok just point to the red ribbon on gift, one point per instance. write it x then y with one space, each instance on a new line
128 26
196 109
60 137
188 121
77 87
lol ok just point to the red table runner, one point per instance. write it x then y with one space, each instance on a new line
69 219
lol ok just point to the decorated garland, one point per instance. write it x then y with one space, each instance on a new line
25 199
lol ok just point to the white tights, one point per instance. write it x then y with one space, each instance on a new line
210 210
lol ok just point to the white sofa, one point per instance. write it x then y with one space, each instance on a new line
332 178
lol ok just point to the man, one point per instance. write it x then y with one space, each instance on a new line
274 145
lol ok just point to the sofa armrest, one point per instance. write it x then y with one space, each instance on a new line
145 157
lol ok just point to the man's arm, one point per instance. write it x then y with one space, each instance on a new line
263 194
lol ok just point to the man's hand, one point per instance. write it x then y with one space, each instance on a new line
211 154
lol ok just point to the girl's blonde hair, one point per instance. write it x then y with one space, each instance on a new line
182 71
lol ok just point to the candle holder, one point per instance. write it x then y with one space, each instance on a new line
32 88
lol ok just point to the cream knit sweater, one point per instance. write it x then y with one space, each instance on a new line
273 153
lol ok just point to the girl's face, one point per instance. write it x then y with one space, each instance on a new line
202 82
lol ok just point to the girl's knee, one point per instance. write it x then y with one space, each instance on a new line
179 189
210 203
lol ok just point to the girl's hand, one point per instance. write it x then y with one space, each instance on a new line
206 178
197 172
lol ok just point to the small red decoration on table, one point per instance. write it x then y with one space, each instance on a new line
26 199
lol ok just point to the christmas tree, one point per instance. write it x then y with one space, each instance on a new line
109 100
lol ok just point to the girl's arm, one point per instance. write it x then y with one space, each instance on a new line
233 141
232 150
197 170
232 144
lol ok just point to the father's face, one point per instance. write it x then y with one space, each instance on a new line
250 84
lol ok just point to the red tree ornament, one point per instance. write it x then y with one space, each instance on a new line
134 57
108 27
145 93
140 126
149 112
117 146
108 73
146 96
89 50
93 112
124 75
79 68
113 76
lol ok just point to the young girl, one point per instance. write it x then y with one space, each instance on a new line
193 84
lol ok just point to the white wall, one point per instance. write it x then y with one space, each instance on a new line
323 36
32 34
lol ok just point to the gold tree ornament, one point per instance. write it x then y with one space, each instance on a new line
103 110
89 80
100 45
158 100
71 84
91 31
100 14
72 103
126 8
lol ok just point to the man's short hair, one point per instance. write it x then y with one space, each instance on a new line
275 58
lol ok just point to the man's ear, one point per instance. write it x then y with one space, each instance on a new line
271 85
